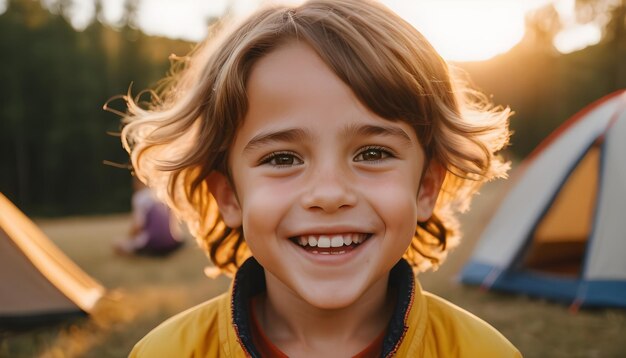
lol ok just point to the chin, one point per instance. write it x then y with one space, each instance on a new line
331 296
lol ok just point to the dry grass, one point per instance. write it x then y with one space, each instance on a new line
144 291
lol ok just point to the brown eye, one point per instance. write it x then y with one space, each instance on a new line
281 159
372 155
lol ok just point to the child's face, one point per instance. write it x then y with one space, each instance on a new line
311 163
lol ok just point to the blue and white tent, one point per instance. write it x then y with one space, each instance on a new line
560 231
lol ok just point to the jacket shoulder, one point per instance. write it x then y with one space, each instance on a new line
453 332
194 332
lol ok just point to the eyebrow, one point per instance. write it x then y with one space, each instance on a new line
351 130
369 130
286 135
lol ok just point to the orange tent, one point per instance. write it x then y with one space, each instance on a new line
39 283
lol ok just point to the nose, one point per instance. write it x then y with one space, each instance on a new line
329 190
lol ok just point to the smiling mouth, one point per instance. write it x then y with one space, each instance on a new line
335 244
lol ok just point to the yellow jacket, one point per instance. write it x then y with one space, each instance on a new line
423 325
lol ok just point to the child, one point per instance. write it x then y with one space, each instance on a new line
336 147
153 231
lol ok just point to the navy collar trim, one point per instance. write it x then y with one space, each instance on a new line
250 281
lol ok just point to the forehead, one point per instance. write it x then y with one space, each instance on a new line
294 75
294 78
292 86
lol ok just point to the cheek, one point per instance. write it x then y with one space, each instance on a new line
394 186
264 203
395 200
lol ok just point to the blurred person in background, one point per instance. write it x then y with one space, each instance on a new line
153 231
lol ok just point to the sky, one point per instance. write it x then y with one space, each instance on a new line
461 30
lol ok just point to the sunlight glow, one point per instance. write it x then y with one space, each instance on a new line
574 36
465 30
186 19
577 37
460 30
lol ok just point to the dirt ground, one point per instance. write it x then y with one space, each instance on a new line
142 292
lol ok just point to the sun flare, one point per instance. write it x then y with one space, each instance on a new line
460 30
465 30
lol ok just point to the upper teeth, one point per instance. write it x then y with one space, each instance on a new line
325 241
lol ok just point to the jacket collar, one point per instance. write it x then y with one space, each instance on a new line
250 281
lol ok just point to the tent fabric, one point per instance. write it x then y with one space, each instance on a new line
560 231
38 280
607 261
570 214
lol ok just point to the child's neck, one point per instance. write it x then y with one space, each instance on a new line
300 329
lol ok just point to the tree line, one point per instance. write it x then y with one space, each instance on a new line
54 133
543 87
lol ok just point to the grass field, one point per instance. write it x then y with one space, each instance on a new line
145 291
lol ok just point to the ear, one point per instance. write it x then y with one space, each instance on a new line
227 201
432 179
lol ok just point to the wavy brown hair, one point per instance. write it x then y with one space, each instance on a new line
185 133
